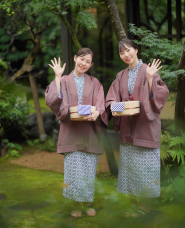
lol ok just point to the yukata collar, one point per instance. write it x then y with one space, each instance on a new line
137 66
77 76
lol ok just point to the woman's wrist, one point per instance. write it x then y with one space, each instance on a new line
58 76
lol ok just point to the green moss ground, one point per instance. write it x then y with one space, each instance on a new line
34 200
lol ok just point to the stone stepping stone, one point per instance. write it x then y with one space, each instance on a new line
30 205
2 196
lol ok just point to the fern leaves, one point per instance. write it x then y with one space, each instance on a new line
178 147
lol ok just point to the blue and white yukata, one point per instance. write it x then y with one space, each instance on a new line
79 167
139 167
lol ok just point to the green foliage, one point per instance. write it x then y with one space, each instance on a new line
3 64
167 51
33 142
13 149
177 145
47 145
167 190
13 109
165 140
174 188
86 19
16 40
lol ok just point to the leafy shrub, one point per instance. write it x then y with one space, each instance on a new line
47 145
173 189
33 142
167 51
177 145
165 141
13 111
13 149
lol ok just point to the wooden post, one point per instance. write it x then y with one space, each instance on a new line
37 105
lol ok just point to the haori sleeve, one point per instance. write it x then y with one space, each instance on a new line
57 103
153 105
99 101
113 95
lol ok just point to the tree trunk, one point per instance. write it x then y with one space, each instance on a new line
180 99
37 105
28 60
115 19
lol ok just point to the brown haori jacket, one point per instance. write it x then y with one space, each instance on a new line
77 135
143 129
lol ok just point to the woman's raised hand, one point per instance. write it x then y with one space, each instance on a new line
151 70
57 68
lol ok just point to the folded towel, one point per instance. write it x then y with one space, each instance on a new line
118 107
84 110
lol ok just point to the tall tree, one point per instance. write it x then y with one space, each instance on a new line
115 19
24 20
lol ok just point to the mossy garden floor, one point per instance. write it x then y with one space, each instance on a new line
31 198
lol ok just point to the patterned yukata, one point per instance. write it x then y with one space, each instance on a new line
139 167
79 167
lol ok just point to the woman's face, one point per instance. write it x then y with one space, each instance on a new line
129 55
83 63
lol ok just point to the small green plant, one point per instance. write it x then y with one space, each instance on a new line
173 189
34 142
49 145
177 145
13 149
13 110
164 155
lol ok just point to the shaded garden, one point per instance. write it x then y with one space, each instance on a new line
32 33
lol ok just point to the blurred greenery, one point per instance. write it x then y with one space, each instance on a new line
33 199
43 106
13 110
167 51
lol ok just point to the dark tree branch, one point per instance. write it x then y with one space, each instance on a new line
28 61
146 25
161 23
115 19
46 45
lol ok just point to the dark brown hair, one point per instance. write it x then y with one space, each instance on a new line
121 45
85 51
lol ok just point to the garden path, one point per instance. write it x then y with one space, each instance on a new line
54 162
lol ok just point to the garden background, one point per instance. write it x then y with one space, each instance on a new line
32 32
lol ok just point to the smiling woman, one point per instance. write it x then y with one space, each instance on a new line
140 135
79 141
